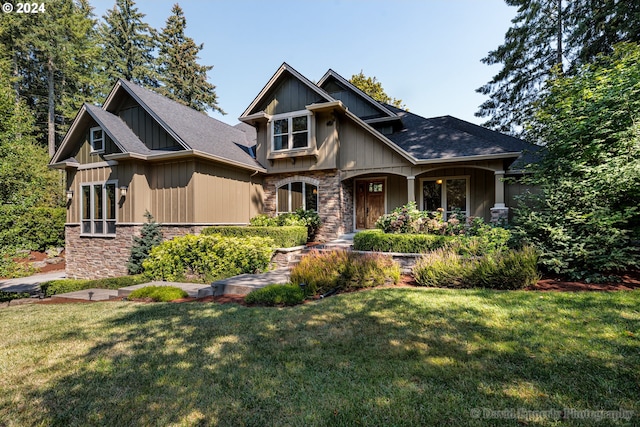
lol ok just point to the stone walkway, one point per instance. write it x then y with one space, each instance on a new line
242 284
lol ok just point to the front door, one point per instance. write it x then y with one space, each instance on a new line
369 202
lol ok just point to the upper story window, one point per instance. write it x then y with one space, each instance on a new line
290 131
96 138
98 208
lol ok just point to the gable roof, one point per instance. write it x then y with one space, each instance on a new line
283 70
195 132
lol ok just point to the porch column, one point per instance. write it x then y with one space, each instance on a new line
499 211
411 189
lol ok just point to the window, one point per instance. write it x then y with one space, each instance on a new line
99 208
450 194
290 132
297 195
96 138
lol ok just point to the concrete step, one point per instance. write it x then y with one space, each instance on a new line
245 283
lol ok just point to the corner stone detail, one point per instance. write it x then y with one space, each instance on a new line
499 215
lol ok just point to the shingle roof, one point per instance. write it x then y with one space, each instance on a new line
194 129
447 137
118 130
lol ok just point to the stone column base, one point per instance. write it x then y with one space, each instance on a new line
499 215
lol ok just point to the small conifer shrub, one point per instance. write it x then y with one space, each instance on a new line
150 236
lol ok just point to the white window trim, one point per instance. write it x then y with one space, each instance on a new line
290 117
91 208
304 195
444 192
92 141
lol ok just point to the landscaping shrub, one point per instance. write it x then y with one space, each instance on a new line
36 229
10 296
159 293
377 240
508 269
322 272
301 217
9 268
408 219
56 287
150 237
283 237
207 258
276 294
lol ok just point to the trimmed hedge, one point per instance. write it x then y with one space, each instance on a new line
509 269
159 293
283 237
379 241
207 258
276 294
56 287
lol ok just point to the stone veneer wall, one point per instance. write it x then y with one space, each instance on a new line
335 201
99 257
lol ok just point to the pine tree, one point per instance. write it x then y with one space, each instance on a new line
182 78
372 87
128 46
150 236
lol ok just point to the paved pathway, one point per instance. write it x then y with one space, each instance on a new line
29 284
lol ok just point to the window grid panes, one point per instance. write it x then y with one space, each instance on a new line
96 136
291 133
98 208
297 195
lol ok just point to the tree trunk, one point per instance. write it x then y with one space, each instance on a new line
559 35
51 120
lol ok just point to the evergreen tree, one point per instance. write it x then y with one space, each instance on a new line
372 87
150 236
128 46
182 78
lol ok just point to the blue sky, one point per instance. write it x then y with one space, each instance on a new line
425 52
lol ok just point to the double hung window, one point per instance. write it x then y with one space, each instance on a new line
290 132
96 138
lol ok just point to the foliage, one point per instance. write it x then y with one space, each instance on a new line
62 286
208 258
583 219
10 268
158 293
408 219
276 294
35 229
321 272
544 34
372 87
150 237
510 269
376 240
10 296
307 218
181 77
283 237
128 44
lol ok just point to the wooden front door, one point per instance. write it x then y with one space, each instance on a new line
369 202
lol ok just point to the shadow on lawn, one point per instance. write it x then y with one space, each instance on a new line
391 356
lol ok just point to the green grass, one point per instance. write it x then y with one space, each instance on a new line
61 286
159 293
382 357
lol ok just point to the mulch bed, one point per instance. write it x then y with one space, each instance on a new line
628 282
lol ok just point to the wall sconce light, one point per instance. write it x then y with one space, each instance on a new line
69 194
123 191
439 182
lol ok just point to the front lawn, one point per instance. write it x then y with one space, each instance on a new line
391 356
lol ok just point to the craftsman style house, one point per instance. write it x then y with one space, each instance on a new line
325 146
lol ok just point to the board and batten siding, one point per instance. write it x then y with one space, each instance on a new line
83 153
356 104
147 129
360 149
290 95
171 187
225 195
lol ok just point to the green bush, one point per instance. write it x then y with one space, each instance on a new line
276 294
301 217
283 237
150 237
509 269
10 296
9 268
56 287
377 240
208 258
35 229
342 270
159 293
